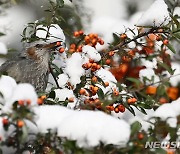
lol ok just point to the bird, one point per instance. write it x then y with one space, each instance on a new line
31 66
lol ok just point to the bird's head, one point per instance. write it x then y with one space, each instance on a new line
41 51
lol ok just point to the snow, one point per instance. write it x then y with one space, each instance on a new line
13 92
149 64
55 33
87 127
74 68
149 74
169 112
62 80
156 15
50 116
106 76
62 94
91 53
24 91
7 86
175 79
3 48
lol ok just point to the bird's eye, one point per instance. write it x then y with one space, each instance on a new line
39 45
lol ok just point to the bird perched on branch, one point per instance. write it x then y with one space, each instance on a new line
31 66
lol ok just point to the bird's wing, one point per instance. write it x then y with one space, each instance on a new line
10 63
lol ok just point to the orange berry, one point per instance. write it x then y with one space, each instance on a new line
79 48
43 97
160 30
121 108
123 68
61 50
116 110
20 123
94 41
116 93
95 35
94 65
94 79
73 46
95 89
89 65
91 87
111 53
108 61
98 67
76 34
163 100
151 90
100 41
131 100
28 102
86 101
91 60
158 37
97 101
71 50
173 93
58 43
123 36
5 121
165 42
106 84
81 32
82 91
71 99
39 101
140 136
126 59
87 39
21 102
131 53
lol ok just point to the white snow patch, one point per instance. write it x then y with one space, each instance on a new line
91 53
3 48
62 80
62 94
156 15
55 33
149 74
74 68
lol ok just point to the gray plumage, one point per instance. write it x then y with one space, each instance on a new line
31 66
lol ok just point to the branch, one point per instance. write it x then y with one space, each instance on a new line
154 30
51 71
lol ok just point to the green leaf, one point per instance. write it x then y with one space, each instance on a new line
100 94
161 90
1 34
165 66
60 3
171 48
175 20
52 94
135 127
136 81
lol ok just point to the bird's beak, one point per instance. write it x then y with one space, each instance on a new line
52 46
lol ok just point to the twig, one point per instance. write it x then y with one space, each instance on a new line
51 71
153 30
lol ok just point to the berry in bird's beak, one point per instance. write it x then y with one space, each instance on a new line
53 46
